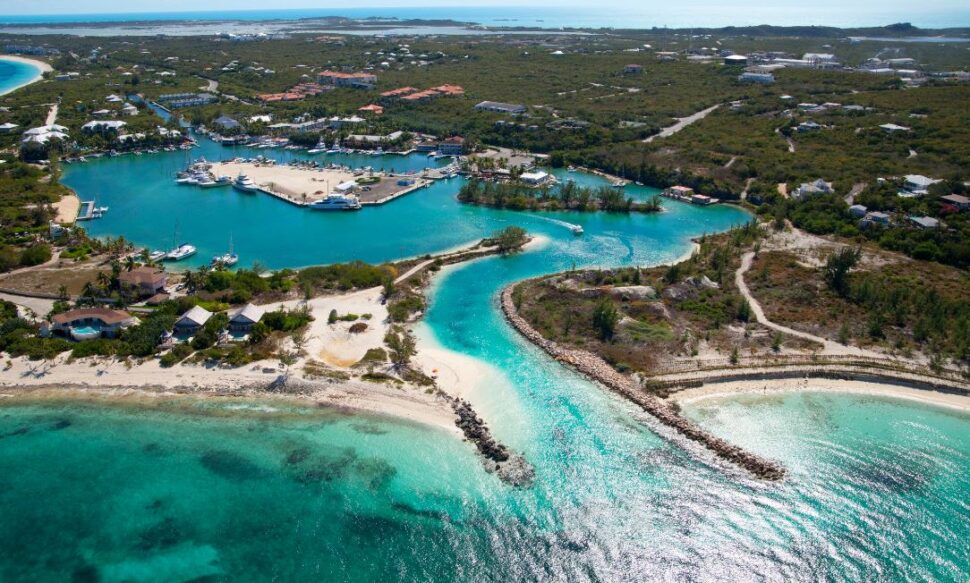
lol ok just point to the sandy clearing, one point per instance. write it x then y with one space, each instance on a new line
67 209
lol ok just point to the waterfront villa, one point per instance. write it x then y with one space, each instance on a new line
190 322
145 281
684 193
103 126
91 323
242 320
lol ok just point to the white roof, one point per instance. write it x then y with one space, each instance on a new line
534 176
349 185
920 180
110 124
197 315
8 126
891 127
40 130
248 313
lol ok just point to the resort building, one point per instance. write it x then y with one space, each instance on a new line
355 80
702 199
242 320
91 323
8 127
499 107
190 322
858 210
453 146
397 93
740 60
633 69
145 281
129 109
177 100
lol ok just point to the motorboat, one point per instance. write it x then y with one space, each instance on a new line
336 202
156 255
576 229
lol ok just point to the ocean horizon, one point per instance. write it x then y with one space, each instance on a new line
646 15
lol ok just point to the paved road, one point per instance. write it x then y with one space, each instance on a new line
682 123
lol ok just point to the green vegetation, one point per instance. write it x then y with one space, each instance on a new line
563 196
508 240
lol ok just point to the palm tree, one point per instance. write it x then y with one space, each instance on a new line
129 263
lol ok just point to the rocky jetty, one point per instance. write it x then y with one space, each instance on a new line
509 466
597 369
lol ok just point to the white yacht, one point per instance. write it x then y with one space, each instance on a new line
336 202
157 255
576 229
181 252
226 260
245 184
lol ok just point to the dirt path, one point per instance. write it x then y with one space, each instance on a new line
829 347
857 188
52 114
682 123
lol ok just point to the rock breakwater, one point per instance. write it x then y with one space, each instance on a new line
597 369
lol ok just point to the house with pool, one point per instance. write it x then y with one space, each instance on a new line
91 323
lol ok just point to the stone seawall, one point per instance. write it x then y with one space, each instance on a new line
597 369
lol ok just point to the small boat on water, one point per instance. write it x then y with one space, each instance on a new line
576 229
571 169
244 183
181 252
227 259
157 255
336 202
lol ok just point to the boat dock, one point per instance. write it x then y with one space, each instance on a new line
87 211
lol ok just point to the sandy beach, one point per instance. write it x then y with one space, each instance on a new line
59 378
762 387
67 209
42 66
287 180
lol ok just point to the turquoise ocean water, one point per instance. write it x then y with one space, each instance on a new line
236 491
14 74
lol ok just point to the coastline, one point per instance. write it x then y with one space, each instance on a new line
731 389
41 66
98 378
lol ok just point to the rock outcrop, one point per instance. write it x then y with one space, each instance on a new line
597 369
